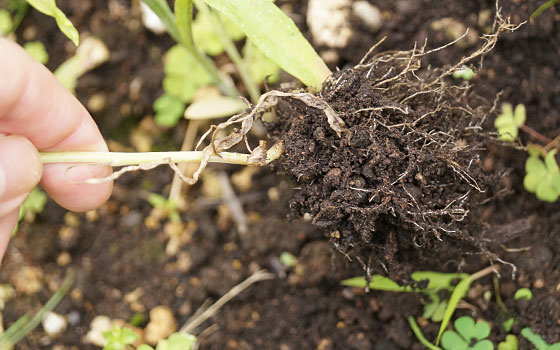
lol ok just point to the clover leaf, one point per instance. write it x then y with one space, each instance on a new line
543 178
509 344
468 335
509 122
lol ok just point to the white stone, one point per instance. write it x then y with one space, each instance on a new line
54 324
329 22
97 326
368 14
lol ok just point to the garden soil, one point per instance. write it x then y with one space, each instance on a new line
419 182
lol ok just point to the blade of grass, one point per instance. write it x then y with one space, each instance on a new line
377 282
277 36
25 327
418 333
183 16
542 8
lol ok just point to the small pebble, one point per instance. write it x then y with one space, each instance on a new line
97 326
54 324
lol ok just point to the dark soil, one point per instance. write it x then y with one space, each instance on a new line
372 222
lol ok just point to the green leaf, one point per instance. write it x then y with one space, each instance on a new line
183 16
453 341
483 345
534 338
214 107
49 8
177 341
205 36
169 110
439 312
277 36
6 23
509 344
508 123
458 293
378 282
33 205
543 178
162 10
119 338
466 328
523 293
555 346
508 324
437 280
183 74
36 49
287 259
465 74
260 66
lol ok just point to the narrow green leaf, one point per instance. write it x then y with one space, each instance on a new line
437 280
378 282
277 36
49 8
162 10
418 333
534 338
542 8
184 16
458 293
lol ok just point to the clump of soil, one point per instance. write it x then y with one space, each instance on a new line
409 177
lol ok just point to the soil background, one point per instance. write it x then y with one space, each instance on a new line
115 252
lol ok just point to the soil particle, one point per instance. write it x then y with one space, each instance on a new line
409 174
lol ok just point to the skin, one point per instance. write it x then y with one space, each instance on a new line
38 114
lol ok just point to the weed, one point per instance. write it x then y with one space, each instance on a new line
509 344
538 341
49 8
467 335
543 177
509 121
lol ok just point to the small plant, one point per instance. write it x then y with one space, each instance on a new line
537 340
467 335
49 8
465 74
509 344
509 122
167 207
523 293
119 338
543 177
122 339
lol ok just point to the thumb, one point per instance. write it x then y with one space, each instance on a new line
20 171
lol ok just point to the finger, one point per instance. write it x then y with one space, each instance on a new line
21 171
34 104
7 224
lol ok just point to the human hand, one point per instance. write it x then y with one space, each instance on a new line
38 114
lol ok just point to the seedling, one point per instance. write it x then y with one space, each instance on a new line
537 340
119 338
166 206
48 7
543 178
509 122
509 344
465 74
37 50
122 339
543 8
523 293
467 335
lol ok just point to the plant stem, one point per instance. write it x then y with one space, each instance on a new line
231 50
478 275
418 333
125 158
535 134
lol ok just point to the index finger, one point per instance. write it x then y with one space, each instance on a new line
35 105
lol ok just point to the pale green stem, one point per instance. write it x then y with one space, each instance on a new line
231 50
124 158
